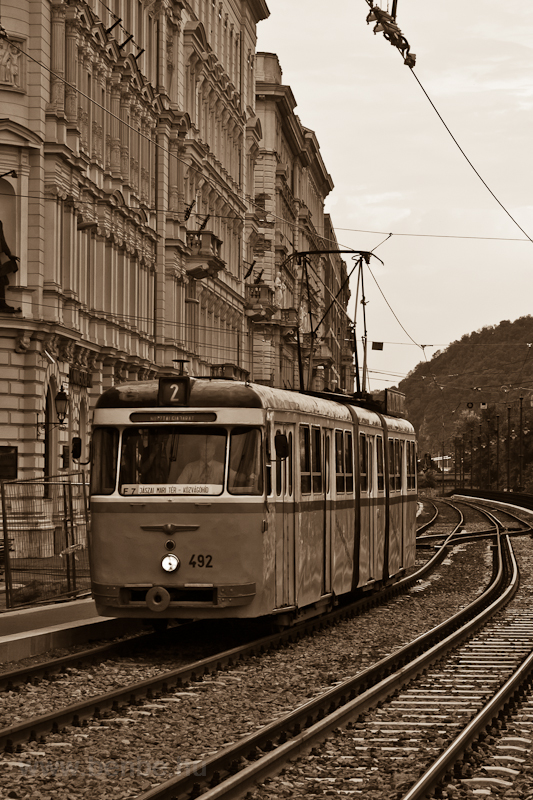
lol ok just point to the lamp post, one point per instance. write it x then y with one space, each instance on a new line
61 409
472 451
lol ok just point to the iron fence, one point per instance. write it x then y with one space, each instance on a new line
43 541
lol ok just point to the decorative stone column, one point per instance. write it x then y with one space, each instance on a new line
71 67
57 94
115 156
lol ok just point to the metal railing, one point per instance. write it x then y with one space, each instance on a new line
43 539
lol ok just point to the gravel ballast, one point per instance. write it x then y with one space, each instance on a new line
130 751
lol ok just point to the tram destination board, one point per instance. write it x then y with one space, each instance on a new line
173 416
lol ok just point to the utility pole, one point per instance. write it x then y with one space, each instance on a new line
520 447
508 448
471 458
497 452
302 258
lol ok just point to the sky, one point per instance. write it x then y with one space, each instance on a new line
456 261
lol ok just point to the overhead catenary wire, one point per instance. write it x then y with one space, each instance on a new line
469 162
40 195
393 34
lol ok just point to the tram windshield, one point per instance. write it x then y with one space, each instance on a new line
174 460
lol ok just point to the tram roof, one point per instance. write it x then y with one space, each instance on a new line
220 393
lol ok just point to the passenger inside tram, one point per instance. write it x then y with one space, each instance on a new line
172 456
208 468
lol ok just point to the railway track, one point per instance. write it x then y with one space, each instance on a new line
460 716
94 706
165 689
44 668
271 749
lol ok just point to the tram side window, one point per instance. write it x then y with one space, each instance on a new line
268 463
399 463
280 466
316 453
363 462
411 465
392 466
339 461
246 472
290 463
380 464
104 460
305 459
348 460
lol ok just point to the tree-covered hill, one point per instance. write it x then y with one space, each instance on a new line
466 390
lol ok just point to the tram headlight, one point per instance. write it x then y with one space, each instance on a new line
170 563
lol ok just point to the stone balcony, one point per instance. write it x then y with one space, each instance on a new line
259 302
288 317
205 257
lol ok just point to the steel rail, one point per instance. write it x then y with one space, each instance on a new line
431 522
8 680
477 725
93 706
25 674
219 768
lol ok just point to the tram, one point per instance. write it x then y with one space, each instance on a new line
214 498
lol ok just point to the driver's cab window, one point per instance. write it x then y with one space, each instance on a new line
173 460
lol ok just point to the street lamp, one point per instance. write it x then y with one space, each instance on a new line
61 408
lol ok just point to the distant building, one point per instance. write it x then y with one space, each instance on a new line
138 185
291 185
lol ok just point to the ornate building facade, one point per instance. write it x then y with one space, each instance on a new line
134 192
301 332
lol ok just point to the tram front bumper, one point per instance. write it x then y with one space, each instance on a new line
140 596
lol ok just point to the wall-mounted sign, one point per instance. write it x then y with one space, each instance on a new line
78 377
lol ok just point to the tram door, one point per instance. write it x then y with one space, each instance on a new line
372 554
285 533
329 522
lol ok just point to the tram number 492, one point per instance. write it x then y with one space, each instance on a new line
201 561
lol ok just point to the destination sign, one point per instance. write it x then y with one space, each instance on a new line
154 416
157 489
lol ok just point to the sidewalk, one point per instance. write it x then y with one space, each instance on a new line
31 631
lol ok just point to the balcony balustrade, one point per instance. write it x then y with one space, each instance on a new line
260 305
205 256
